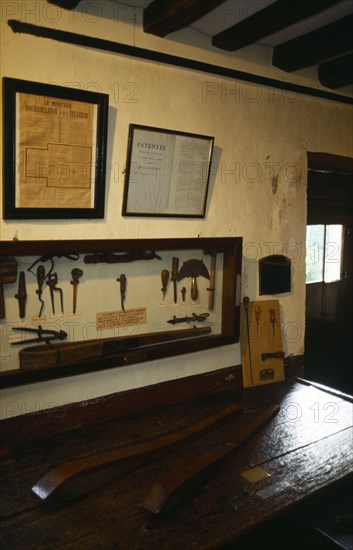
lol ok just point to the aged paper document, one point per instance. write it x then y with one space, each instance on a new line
168 173
56 152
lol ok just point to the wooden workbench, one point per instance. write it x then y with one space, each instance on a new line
306 449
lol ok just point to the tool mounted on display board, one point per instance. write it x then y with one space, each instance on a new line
174 277
8 275
165 281
193 268
21 295
123 282
212 288
76 274
261 342
70 353
111 258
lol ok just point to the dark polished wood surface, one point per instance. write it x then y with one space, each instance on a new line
306 449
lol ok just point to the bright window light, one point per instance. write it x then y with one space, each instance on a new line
323 253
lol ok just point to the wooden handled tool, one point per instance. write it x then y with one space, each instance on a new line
193 268
83 475
57 355
8 274
174 277
165 280
212 288
177 484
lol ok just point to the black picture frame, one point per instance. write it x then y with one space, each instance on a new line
167 173
68 182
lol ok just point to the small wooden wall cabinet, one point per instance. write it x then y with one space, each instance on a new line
102 281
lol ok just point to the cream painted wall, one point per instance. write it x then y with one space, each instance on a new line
258 186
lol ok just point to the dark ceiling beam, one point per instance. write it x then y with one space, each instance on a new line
337 73
315 47
271 19
66 4
162 17
169 59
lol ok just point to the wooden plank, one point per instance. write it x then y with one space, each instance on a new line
337 73
314 47
263 339
162 17
227 508
269 20
114 514
82 476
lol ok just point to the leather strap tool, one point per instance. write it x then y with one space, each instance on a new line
21 295
110 258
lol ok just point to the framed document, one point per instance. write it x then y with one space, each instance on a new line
54 151
167 173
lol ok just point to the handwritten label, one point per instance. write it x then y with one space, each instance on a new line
113 319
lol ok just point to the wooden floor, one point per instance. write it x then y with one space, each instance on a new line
306 450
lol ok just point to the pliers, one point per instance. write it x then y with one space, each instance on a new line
42 335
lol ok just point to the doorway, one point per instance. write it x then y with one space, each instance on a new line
328 334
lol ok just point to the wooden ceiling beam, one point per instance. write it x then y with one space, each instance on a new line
163 17
271 19
66 4
315 47
337 73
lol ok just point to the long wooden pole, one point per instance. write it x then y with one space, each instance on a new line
84 475
177 484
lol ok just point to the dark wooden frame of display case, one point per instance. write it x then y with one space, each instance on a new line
231 247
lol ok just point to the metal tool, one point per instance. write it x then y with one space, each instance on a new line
42 335
122 280
273 355
193 319
183 292
52 282
257 317
193 268
174 276
21 295
272 320
246 307
50 258
39 291
76 273
165 280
